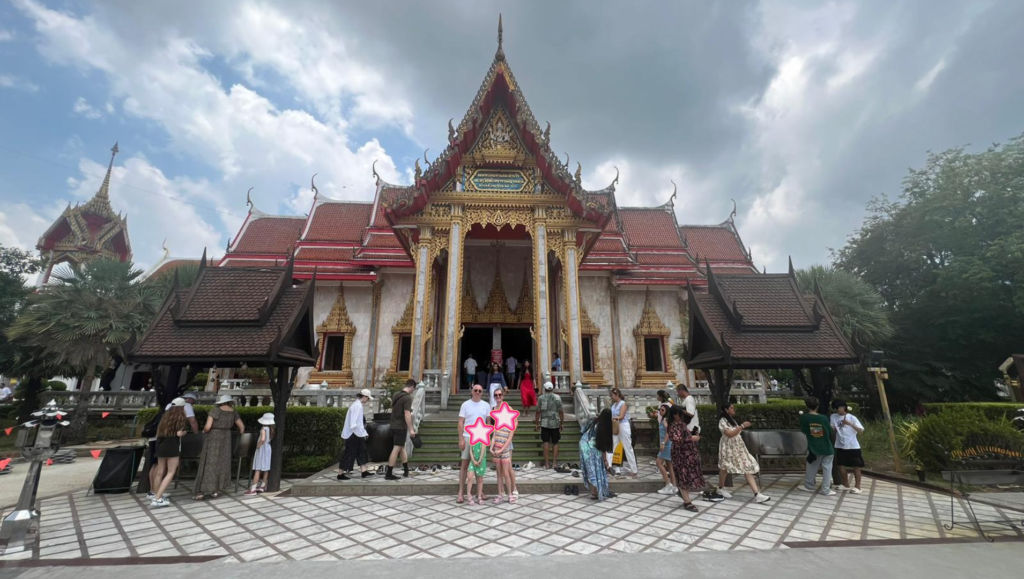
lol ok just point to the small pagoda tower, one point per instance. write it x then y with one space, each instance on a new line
84 232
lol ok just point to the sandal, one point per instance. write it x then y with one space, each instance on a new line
512 499
690 507
217 495
460 500
499 499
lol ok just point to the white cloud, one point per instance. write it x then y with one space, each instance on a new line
241 133
21 225
82 107
6 35
16 83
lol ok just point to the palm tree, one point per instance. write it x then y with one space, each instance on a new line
85 318
856 305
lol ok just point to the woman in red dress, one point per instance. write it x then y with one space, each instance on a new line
526 389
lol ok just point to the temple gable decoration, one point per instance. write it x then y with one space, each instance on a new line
334 346
652 348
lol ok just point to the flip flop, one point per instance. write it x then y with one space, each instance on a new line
460 500
575 491
567 491
576 474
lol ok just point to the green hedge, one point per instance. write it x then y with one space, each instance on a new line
956 427
991 410
309 431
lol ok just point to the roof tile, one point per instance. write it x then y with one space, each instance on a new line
336 221
270 235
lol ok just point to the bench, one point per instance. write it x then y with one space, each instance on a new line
775 444
981 466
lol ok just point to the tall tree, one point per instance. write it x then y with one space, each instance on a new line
15 264
948 259
855 304
85 318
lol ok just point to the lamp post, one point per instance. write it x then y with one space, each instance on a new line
39 440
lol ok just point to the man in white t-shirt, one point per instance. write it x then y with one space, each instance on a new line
5 394
470 366
475 407
689 404
190 413
848 454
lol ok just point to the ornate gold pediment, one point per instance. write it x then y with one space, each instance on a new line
498 142
402 326
496 310
651 326
336 323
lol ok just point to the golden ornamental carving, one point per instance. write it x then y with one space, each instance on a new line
499 216
587 326
556 243
498 142
336 323
438 211
402 326
650 325
496 310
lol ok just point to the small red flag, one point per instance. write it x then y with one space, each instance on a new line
104 415
4 463
49 461
60 417
8 430
95 453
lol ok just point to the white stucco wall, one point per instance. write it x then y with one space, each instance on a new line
395 294
596 298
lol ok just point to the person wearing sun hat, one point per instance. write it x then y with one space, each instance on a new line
214 472
261 461
355 436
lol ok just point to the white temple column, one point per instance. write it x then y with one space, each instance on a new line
423 270
540 284
453 304
572 302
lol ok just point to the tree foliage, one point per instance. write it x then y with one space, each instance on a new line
948 259
856 306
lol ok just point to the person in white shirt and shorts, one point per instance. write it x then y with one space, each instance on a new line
848 454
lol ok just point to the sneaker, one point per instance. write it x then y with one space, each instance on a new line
805 489
829 493
855 490
761 498
844 488
666 490
367 473
150 496
250 493
391 476
725 493
343 477
157 503
713 497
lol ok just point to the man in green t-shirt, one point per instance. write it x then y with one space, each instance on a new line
819 448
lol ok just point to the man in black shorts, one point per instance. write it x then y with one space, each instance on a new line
401 428
549 419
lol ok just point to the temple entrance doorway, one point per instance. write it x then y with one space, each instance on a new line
516 342
476 341
480 341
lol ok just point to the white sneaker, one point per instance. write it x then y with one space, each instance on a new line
761 498
666 490
157 503
830 493
725 493
844 488
150 496
528 466
856 490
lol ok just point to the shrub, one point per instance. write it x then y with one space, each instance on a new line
57 386
200 380
991 410
308 430
959 426
392 384
303 464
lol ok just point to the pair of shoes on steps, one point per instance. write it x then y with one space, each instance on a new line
571 490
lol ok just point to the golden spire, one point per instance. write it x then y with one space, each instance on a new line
104 190
500 54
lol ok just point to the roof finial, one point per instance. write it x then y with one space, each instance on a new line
451 130
732 216
672 200
418 171
374 167
500 54
566 161
547 134
616 181
425 160
312 185
248 198
579 172
104 189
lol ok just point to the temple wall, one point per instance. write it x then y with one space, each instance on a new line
596 298
395 294
359 301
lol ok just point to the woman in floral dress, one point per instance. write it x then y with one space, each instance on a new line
595 442
685 456
733 456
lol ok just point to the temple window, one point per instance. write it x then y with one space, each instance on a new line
334 353
653 349
588 353
404 352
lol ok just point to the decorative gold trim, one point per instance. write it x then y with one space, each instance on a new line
336 323
496 310
499 142
650 325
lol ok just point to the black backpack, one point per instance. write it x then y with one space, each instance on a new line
149 430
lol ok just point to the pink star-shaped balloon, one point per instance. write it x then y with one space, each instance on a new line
479 432
505 417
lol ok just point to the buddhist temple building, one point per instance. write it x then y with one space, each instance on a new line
84 232
495 249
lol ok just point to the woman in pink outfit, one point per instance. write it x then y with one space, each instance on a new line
526 389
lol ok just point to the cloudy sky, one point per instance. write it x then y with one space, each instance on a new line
800 111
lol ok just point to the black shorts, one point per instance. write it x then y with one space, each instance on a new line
398 437
169 447
552 435
849 457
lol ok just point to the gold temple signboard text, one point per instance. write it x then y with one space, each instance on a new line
495 180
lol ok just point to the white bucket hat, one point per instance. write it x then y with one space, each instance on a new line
365 392
267 419
224 399
549 386
178 402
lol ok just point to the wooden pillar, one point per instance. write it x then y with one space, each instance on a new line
281 381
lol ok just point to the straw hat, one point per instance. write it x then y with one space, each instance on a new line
267 419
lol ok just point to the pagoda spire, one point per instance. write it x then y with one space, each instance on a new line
104 190
500 54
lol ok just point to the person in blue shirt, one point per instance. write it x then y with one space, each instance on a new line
556 365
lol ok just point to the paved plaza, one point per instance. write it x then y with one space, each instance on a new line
269 528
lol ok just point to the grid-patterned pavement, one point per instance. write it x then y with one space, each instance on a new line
242 528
